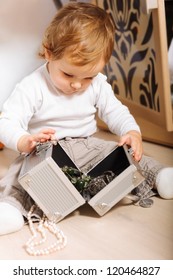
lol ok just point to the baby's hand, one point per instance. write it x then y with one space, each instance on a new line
28 142
134 140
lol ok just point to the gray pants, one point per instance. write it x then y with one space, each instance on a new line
85 152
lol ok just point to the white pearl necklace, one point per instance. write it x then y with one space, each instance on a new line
44 224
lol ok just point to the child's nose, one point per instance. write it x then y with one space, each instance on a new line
76 85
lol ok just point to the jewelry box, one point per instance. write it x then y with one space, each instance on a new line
42 177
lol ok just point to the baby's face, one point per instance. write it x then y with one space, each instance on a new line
70 79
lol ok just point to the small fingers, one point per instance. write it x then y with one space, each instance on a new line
134 142
44 135
48 131
41 137
137 151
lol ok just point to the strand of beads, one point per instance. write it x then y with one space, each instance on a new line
50 226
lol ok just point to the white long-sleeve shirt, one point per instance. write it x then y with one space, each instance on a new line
35 104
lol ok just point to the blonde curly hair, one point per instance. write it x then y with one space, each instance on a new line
81 31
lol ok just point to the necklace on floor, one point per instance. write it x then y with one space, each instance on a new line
40 229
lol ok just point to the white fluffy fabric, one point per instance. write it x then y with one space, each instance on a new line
164 183
11 219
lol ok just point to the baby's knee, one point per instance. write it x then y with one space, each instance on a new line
11 220
164 183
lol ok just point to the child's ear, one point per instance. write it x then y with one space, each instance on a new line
48 55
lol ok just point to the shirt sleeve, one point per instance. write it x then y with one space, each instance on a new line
116 115
16 114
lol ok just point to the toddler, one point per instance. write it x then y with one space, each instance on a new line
59 101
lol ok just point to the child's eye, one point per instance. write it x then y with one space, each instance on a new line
68 75
89 78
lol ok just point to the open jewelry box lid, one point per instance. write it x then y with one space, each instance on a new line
42 177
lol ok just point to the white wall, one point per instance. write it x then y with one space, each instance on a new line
22 24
